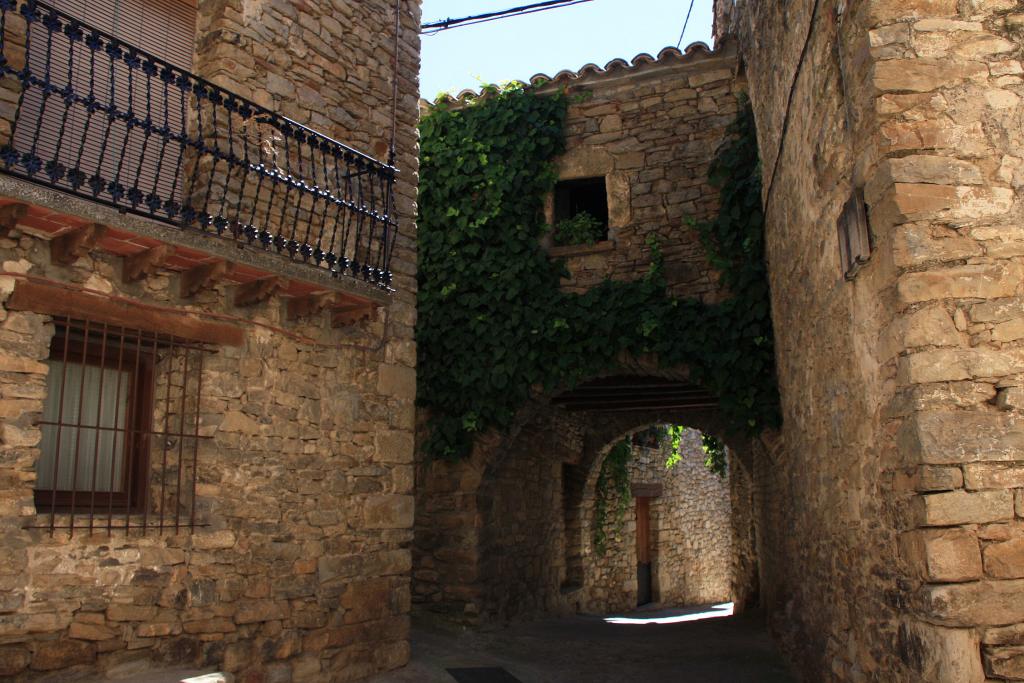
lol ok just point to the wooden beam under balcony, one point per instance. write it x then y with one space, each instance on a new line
351 313
258 291
10 214
300 307
204 276
145 263
68 247
52 212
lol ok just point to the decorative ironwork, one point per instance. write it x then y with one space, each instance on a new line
107 121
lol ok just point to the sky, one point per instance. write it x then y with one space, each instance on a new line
547 42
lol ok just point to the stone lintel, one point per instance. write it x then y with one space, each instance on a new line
646 490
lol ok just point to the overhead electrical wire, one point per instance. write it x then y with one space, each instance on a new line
685 24
445 24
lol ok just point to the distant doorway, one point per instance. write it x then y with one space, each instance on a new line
647 522
644 594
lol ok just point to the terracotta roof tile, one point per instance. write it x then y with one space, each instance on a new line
668 55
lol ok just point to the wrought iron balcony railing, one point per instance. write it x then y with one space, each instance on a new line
107 121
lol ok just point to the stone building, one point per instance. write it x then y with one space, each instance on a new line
880 528
645 131
897 472
686 512
207 366
500 534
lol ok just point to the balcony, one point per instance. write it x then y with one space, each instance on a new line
134 136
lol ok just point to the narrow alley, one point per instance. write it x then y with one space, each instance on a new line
679 645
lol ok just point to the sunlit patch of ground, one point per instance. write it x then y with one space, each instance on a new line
674 616
706 644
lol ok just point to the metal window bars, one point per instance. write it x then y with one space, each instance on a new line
107 121
120 431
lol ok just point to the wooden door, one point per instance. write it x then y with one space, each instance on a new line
643 551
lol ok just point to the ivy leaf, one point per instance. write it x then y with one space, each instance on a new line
493 322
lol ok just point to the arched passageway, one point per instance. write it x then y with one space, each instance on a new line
653 526
507 533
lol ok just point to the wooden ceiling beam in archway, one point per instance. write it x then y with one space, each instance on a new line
635 393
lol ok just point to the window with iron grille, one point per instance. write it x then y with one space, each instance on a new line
120 430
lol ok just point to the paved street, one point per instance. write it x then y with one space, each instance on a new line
643 646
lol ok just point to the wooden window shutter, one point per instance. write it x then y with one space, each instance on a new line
163 28
854 234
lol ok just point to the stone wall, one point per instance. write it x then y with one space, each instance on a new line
649 129
691 535
746 580
490 531
327 64
888 511
507 533
304 496
300 568
651 134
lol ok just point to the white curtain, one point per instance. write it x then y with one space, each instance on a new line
102 404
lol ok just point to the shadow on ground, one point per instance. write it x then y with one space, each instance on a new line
651 646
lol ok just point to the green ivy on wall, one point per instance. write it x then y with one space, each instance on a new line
580 229
675 435
715 459
492 321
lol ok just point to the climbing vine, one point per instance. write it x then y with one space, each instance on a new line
580 229
612 495
675 435
713 448
494 325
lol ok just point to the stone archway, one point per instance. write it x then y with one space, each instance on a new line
492 531
698 544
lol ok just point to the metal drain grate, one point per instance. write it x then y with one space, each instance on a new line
486 674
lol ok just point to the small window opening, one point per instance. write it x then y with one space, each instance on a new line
854 235
580 211
120 429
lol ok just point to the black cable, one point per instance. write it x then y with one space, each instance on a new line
394 85
445 24
685 24
789 105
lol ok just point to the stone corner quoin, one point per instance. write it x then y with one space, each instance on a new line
916 104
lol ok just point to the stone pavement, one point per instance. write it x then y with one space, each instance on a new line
589 649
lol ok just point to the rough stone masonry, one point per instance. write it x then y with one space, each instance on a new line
493 538
691 533
300 568
886 513
895 490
